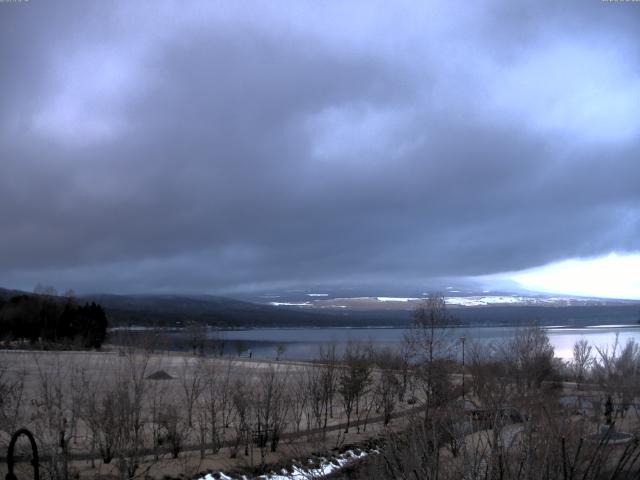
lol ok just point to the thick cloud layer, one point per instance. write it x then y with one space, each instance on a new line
218 147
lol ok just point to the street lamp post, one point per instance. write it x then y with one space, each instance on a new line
462 339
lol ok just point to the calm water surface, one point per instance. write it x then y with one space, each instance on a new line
304 343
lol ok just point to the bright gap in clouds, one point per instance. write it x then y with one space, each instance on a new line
611 276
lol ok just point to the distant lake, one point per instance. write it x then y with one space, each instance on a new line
304 343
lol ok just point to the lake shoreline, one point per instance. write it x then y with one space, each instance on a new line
303 343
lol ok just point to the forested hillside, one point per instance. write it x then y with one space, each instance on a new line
51 321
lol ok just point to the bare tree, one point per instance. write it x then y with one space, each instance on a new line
402 365
157 392
367 403
353 380
317 397
48 290
529 356
174 428
299 398
125 403
617 370
488 376
51 415
270 410
11 397
386 391
192 383
217 341
243 411
215 406
427 337
582 359
540 445
196 334
322 381
429 341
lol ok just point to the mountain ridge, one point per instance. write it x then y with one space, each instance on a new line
318 310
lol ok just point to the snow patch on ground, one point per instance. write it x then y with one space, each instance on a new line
290 304
479 300
325 467
396 299
483 300
322 300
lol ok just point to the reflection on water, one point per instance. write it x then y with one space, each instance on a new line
304 343
601 336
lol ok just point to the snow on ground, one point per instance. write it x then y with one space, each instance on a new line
396 299
480 300
290 304
326 467
483 300
322 300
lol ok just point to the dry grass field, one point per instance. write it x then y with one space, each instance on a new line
133 412
127 413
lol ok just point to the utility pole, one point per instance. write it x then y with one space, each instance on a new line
462 339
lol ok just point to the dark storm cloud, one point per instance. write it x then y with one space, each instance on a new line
201 147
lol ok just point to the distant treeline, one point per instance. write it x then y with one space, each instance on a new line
52 321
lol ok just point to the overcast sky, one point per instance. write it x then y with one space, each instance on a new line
229 146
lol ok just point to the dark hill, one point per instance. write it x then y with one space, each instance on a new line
178 310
